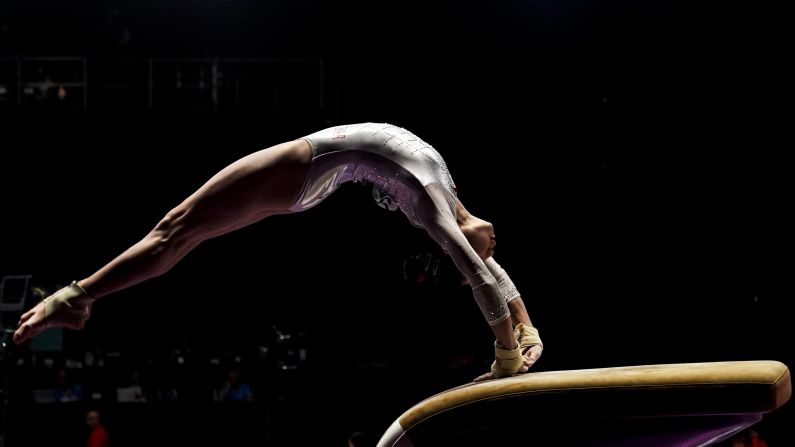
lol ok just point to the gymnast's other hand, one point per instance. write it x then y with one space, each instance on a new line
531 356
69 307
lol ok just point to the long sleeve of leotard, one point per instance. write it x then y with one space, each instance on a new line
507 287
439 222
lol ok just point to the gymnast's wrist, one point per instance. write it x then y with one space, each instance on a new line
527 335
76 284
507 362
501 346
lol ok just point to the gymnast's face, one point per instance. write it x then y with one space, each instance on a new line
480 235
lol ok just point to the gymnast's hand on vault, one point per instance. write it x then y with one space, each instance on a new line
531 355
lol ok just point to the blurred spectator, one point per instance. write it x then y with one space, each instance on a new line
47 88
234 389
65 390
754 440
135 392
98 436
746 438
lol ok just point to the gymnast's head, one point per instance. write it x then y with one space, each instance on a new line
480 235
478 232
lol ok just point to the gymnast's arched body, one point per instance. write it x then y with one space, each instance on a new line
405 172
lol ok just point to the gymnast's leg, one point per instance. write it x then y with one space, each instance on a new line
256 186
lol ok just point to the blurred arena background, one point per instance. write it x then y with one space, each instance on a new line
632 157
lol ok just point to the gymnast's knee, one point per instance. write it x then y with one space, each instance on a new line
176 230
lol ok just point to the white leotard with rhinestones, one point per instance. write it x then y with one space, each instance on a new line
390 158
402 169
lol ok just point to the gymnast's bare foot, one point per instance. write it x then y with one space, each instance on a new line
69 307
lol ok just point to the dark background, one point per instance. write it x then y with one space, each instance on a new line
631 155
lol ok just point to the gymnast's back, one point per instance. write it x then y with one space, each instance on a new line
396 162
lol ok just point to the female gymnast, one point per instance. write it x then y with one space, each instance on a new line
405 172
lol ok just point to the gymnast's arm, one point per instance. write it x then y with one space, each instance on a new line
510 292
528 337
436 217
